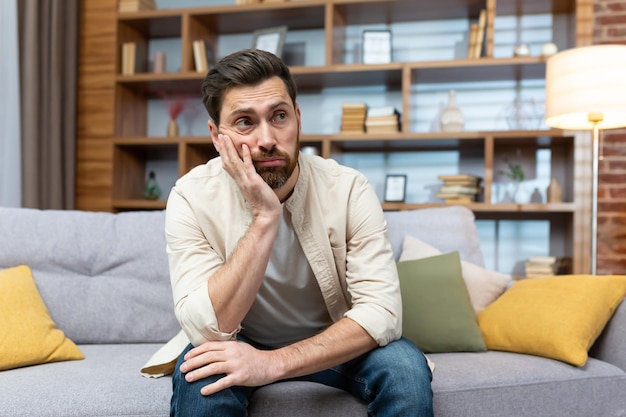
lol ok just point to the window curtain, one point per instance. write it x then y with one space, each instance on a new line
10 195
48 40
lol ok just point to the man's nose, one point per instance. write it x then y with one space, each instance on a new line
266 138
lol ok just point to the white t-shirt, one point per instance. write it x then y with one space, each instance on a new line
289 306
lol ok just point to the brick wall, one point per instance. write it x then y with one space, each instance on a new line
610 27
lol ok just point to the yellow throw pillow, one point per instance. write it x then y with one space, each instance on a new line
556 317
28 336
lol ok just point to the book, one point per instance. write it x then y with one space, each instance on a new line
467 183
357 106
135 5
353 117
126 56
132 58
369 122
460 189
383 119
458 200
541 266
545 260
480 34
382 111
459 177
471 43
200 59
382 129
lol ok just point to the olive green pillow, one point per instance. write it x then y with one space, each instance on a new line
437 312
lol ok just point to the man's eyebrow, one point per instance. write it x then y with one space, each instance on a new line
250 110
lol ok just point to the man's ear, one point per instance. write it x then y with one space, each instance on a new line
299 116
213 129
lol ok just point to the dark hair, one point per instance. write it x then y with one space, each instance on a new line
247 67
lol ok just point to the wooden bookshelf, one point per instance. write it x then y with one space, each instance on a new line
113 142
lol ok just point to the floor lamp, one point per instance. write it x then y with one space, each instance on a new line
586 90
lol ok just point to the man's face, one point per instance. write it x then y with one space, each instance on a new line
264 118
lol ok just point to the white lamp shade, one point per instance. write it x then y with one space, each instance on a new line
584 81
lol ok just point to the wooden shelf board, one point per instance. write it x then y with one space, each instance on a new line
248 18
154 23
389 144
481 69
162 141
504 136
527 7
501 134
315 78
183 83
138 204
538 208
374 11
318 77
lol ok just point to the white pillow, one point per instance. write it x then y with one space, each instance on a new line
483 285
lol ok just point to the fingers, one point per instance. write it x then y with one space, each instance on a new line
238 166
228 152
206 360
205 347
222 383
207 370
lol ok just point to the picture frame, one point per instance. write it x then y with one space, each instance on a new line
376 47
270 39
395 188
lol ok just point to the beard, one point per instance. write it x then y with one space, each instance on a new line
276 177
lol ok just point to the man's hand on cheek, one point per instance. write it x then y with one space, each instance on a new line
255 190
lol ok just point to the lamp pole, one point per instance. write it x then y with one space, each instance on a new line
595 119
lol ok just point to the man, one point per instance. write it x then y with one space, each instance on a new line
280 263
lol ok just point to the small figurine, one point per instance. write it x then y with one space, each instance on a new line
151 190
521 50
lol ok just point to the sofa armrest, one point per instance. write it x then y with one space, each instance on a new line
610 344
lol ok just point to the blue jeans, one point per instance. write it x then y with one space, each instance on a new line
393 380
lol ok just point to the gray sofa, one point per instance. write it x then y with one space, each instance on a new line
104 280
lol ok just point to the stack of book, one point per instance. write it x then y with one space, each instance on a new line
382 120
136 5
542 266
353 117
477 36
459 189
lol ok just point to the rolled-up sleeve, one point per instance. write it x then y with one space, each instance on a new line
371 273
192 262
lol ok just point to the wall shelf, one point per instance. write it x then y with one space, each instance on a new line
115 146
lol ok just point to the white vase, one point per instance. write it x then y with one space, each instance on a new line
522 194
451 119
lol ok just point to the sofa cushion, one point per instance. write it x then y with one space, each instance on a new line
446 228
486 384
436 311
105 383
483 285
610 344
82 260
28 336
557 317
497 384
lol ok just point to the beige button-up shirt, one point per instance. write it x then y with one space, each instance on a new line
338 220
